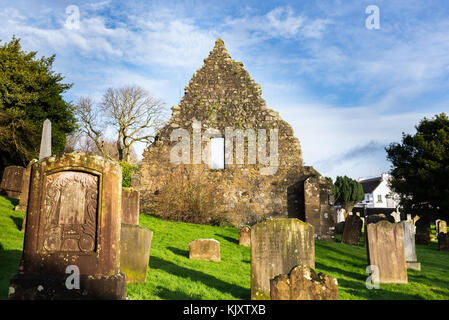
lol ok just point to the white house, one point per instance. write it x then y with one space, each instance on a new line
377 193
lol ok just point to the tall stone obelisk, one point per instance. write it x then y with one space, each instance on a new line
45 150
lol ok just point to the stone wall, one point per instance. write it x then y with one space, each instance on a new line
222 95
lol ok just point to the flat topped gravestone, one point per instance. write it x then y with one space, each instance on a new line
135 245
302 283
352 230
12 181
73 220
245 236
409 245
278 245
130 206
386 251
205 249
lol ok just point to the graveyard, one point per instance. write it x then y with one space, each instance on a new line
107 193
171 275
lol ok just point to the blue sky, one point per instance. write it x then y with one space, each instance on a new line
346 90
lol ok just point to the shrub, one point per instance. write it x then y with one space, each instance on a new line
127 171
189 196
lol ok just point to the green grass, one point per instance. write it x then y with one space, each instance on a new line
172 275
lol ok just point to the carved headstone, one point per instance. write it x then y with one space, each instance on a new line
277 245
409 246
45 150
245 236
352 230
205 249
130 206
386 251
443 241
135 245
73 219
12 181
302 283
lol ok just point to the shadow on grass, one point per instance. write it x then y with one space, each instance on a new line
179 252
232 240
18 222
194 275
360 290
13 201
9 266
168 294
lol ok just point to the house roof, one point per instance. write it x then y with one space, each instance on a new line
369 185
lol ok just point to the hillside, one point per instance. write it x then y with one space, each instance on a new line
173 276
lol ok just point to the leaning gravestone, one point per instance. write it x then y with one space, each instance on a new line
278 245
135 245
386 251
302 283
409 245
245 236
352 230
130 206
205 249
73 221
12 181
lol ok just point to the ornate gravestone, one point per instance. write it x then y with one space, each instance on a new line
73 221
409 245
352 230
205 249
130 206
278 245
11 185
135 245
245 236
386 251
302 283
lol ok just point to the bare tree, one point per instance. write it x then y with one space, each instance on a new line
90 129
131 110
134 113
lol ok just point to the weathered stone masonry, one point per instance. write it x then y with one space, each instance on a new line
223 95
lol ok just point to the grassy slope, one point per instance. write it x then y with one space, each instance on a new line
172 275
